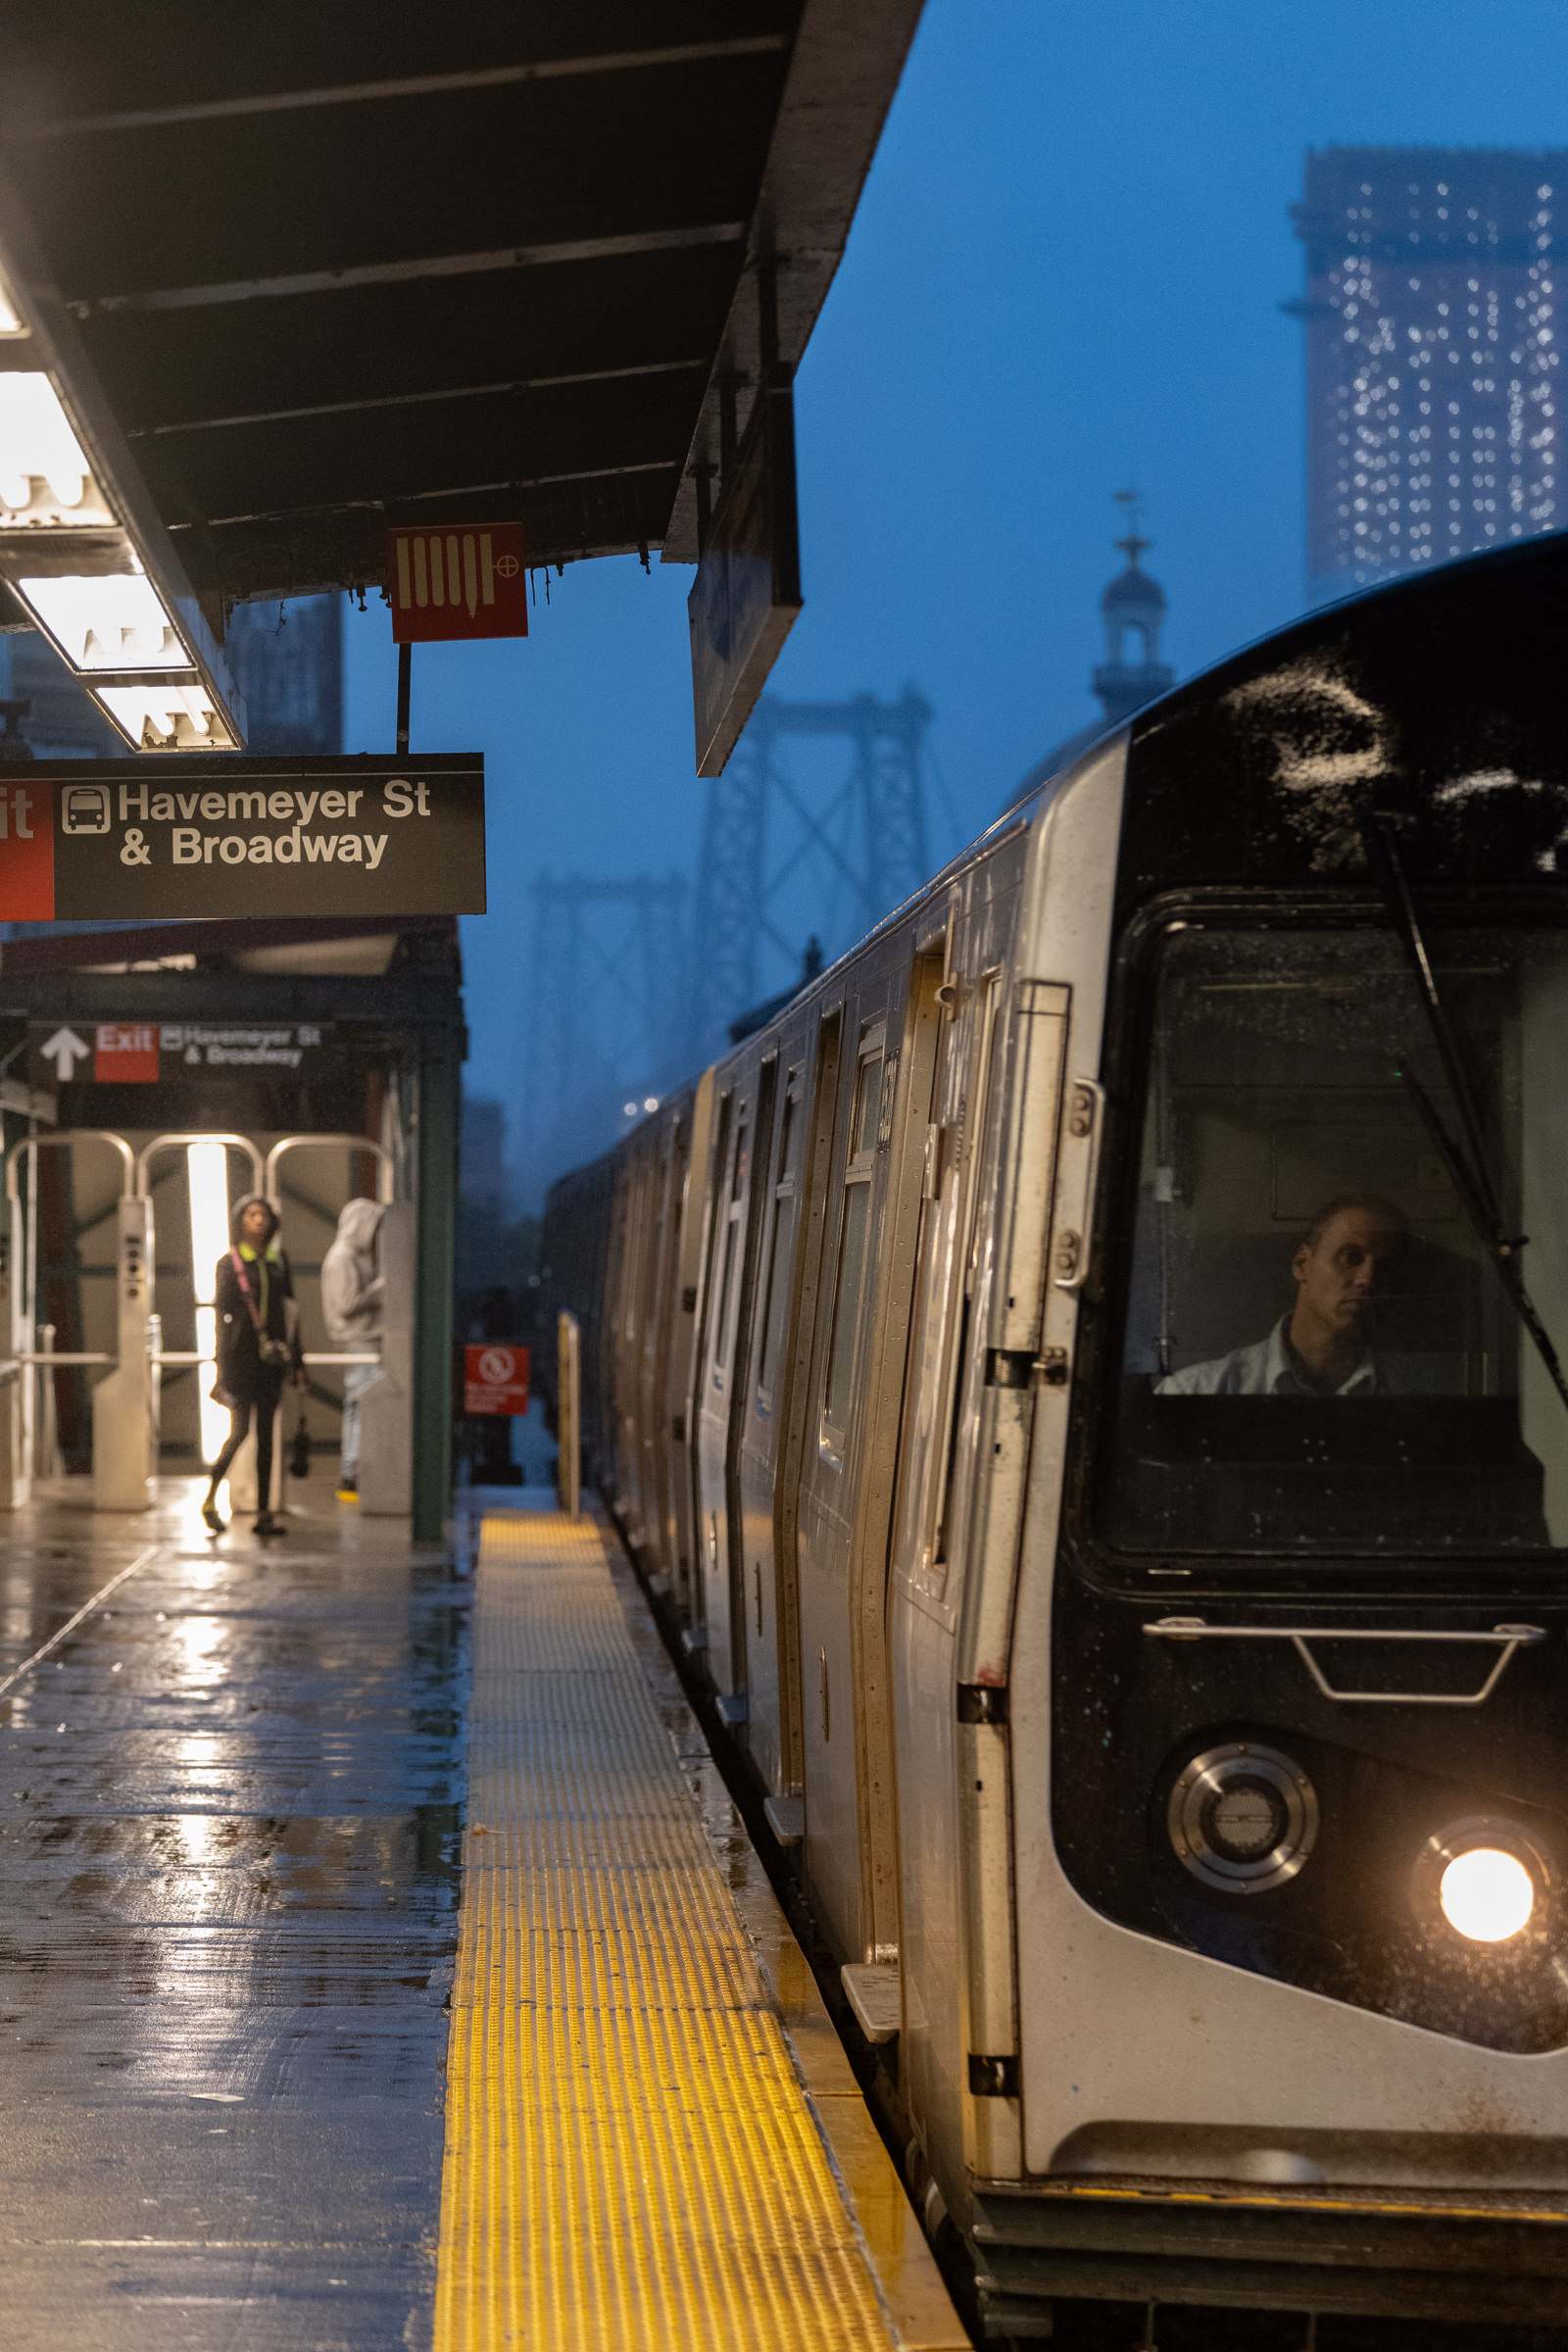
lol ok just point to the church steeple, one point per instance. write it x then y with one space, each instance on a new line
1133 607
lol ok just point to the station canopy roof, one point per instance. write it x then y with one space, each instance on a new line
339 268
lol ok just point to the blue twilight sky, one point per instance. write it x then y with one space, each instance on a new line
1063 279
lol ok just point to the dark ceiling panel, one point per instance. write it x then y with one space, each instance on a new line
375 342
397 454
349 188
80 58
342 266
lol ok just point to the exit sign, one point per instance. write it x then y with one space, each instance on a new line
464 580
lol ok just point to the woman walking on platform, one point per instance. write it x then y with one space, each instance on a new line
257 1346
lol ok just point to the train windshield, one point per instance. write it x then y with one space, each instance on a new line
1319 1353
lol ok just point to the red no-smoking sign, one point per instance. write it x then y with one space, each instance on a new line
495 1379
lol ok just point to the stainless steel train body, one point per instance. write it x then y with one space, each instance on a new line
1126 1730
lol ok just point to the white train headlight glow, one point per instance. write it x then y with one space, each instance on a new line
1486 1879
1486 1894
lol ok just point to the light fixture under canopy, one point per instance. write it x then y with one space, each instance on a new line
83 549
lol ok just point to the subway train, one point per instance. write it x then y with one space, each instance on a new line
1083 1380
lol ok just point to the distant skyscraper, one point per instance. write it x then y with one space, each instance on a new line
483 1153
1433 312
291 677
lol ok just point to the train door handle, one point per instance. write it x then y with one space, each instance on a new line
1084 1117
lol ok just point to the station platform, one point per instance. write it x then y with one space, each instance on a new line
382 1963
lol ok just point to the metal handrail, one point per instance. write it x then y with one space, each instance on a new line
70 1135
194 1356
173 1143
1506 1638
336 1143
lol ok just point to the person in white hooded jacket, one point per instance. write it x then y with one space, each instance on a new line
351 1304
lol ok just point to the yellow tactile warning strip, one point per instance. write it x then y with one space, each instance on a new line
630 2159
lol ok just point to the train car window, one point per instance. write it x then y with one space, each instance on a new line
1318 1352
780 1249
734 1218
854 1228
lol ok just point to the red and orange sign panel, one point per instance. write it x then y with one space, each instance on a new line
467 579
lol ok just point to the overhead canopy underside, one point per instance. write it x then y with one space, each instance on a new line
350 267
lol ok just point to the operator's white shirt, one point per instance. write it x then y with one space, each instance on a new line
1265 1369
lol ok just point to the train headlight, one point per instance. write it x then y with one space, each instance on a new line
1486 1894
1242 1817
1486 1877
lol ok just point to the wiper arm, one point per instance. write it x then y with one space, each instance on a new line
1468 1175
1378 833
1502 1252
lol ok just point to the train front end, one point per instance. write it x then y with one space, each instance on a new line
1288 1676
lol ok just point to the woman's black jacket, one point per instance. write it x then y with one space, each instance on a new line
269 1285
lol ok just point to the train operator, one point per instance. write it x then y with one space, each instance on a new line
1326 1345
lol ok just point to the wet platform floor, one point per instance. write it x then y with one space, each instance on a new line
229 1806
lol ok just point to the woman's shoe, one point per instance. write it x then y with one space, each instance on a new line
213 1517
268 1523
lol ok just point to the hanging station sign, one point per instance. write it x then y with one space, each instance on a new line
748 589
467 579
106 840
142 1053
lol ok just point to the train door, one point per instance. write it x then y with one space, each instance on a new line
652 1209
794 1399
850 1794
654 1404
752 1188
724 1386
932 1749
709 1420
690 1251
636 1178
761 1400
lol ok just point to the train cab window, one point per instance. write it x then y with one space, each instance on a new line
1318 1351
734 1223
781 1249
854 1224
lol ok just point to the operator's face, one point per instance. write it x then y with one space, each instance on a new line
1348 1273
255 1224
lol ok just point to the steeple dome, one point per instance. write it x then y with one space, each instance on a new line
1133 607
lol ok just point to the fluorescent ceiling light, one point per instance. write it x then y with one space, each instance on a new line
156 717
112 621
83 549
44 476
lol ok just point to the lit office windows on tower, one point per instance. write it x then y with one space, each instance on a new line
1431 315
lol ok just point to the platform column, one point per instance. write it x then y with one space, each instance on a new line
440 1064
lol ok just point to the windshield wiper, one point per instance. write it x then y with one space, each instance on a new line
1468 1174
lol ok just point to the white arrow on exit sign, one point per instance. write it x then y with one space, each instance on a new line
64 1049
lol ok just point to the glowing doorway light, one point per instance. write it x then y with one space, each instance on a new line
207 1174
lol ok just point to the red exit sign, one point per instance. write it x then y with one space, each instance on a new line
464 580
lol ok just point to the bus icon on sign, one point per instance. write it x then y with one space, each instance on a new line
84 809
